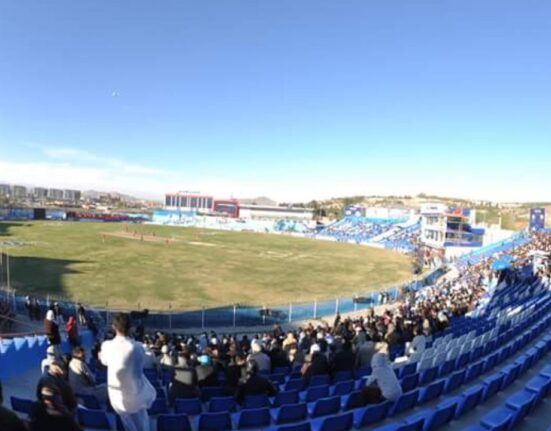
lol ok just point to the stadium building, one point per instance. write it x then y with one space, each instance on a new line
189 202
275 212
450 229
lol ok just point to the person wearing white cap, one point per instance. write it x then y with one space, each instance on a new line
51 356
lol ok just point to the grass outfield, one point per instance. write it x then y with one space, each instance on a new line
101 262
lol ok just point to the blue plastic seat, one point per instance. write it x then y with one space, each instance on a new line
408 370
256 401
431 392
462 360
510 373
254 418
362 372
317 392
189 406
295 384
94 419
175 422
341 376
209 392
454 381
405 402
285 397
344 387
352 401
159 407
469 399
428 375
88 401
522 403
370 415
443 413
473 371
499 419
304 426
325 406
289 413
278 379
21 405
214 422
320 379
446 368
539 385
341 422
222 404
409 382
492 385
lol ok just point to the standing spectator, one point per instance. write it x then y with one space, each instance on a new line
72 331
184 383
50 413
130 393
206 374
29 307
52 331
81 314
8 419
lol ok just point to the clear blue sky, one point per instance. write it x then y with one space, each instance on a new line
290 99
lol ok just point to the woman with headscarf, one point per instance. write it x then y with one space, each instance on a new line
52 330
382 384
72 331
253 384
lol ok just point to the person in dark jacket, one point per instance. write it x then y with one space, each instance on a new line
8 419
184 384
235 372
51 328
253 384
50 413
315 363
206 374
56 376
345 359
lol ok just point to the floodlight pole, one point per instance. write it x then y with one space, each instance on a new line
290 312
315 308
8 269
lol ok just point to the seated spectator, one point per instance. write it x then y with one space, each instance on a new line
50 357
50 413
206 374
382 384
278 357
57 377
81 379
8 419
253 383
365 349
315 363
262 359
184 383
344 359
166 359
150 359
235 372
418 344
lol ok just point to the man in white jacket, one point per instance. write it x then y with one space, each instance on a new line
130 393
